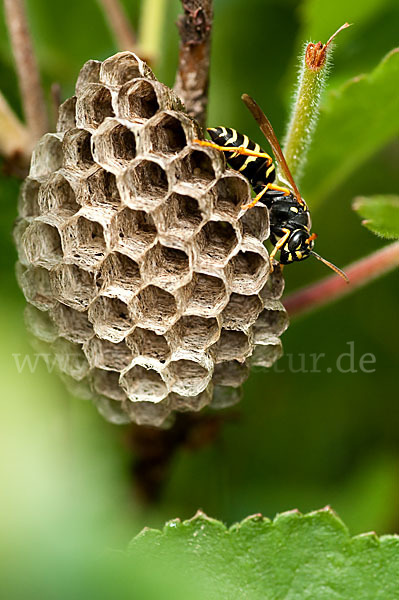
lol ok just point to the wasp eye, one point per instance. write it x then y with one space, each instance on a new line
297 240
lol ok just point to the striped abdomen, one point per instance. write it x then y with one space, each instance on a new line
257 170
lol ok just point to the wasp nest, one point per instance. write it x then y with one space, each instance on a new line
140 269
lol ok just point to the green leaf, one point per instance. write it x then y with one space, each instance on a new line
356 120
296 556
380 214
320 19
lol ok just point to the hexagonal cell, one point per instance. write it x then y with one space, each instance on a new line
73 286
35 284
111 318
274 286
189 377
45 350
42 244
215 243
230 193
207 295
193 332
28 206
180 217
94 104
156 309
89 73
84 242
191 403
66 115
77 150
196 168
70 359
145 385
104 354
100 189
71 324
113 411
80 389
134 231
106 383
138 99
114 145
20 227
119 276
39 324
165 267
146 343
265 354
249 272
47 155
148 413
241 312
57 197
232 345
255 222
144 185
230 373
273 320
166 134
225 396
122 67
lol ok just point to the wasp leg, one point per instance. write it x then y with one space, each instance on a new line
277 247
269 186
235 150
256 199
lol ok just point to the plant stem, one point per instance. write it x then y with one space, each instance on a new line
192 79
152 17
119 24
333 288
28 73
311 81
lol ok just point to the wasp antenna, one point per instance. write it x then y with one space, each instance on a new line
268 132
329 264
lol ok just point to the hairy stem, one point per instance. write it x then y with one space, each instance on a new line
311 81
192 79
28 73
152 17
333 288
119 24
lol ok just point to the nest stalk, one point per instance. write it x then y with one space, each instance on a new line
192 79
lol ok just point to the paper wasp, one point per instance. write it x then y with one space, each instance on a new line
290 221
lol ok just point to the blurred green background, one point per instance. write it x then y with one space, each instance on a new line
298 440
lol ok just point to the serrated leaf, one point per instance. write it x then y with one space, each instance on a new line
293 557
380 214
355 121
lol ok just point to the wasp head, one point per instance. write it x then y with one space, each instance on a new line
298 246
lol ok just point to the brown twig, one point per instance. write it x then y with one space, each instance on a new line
192 79
333 288
14 137
28 73
119 24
